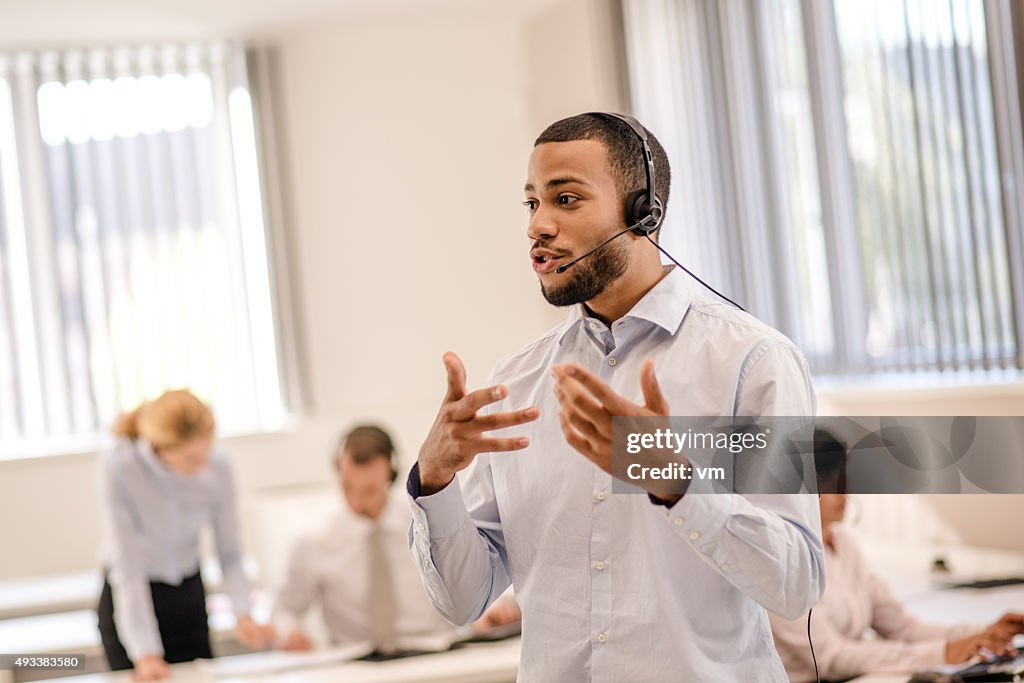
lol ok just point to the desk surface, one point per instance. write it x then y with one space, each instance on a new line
49 595
478 663
905 569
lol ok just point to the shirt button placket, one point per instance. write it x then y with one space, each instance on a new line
601 585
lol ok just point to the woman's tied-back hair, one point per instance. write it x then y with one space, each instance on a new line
175 417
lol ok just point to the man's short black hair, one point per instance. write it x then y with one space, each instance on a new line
625 153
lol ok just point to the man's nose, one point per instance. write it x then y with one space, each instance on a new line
542 224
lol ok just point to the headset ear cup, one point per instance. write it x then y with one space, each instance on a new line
635 207
657 211
639 209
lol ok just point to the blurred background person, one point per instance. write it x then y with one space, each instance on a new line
856 600
356 566
162 483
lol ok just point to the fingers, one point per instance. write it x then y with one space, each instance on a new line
573 437
487 423
297 641
987 641
1003 630
992 643
500 445
1014 619
456 376
583 410
467 407
653 397
612 402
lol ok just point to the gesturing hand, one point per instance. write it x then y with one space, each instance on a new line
588 405
457 434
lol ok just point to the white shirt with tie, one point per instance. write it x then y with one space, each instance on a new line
613 587
330 568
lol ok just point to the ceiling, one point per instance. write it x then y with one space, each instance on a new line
59 23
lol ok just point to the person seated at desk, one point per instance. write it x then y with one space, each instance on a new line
357 567
856 599
160 484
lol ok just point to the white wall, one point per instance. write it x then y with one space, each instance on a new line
406 140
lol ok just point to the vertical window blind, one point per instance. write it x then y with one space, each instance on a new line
849 169
133 246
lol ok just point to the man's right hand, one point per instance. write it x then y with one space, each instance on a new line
150 668
458 432
959 651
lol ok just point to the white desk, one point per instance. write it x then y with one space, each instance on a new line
479 663
50 595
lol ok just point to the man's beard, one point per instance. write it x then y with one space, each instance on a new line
590 277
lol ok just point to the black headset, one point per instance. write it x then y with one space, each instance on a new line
644 210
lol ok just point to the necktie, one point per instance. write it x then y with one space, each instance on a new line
382 594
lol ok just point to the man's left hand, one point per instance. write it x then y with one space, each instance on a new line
589 404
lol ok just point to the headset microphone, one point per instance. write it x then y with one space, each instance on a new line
566 266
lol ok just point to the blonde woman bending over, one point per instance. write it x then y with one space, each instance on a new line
161 484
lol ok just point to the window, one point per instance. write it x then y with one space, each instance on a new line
133 248
838 170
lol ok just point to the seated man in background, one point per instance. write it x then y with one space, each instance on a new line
856 599
357 567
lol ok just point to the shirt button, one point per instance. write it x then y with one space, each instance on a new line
601 637
422 526
599 495
677 521
599 566
694 535
594 326
612 361
725 567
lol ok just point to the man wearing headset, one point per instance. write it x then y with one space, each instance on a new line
614 587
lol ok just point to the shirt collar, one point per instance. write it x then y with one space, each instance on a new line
665 305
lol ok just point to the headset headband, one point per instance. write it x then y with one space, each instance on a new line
653 209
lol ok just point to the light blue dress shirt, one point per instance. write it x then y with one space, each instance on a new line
612 587
153 517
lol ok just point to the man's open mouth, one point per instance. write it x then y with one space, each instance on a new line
544 261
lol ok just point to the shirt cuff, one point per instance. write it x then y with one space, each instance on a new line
700 516
440 514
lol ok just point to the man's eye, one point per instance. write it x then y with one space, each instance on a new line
566 199
530 204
